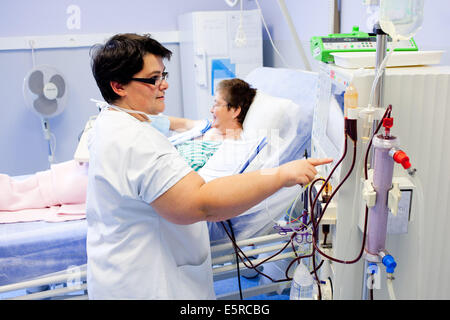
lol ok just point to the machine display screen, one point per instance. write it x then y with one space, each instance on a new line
335 124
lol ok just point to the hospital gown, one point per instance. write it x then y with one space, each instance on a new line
197 152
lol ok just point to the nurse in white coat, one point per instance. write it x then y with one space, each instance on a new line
146 208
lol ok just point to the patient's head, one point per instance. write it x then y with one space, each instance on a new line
231 102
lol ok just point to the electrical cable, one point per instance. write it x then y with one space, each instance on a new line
312 221
267 259
334 192
252 266
319 291
237 259
237 248
270 37
52 146
33 58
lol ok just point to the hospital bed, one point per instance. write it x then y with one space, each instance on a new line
53 255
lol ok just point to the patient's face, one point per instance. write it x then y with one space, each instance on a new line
224 118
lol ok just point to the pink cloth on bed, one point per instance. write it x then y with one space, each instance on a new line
57 194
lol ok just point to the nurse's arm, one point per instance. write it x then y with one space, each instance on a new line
192 200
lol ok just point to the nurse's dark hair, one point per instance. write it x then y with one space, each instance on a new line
121 57
237 93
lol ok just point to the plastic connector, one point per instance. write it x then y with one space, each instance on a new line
372 268
389 263
326 193
368 193
388 123
394 197
400 157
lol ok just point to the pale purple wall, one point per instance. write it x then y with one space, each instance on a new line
47 17
23 149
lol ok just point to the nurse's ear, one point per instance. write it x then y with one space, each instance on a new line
118 88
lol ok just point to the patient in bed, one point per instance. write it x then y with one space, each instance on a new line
238 112
231 102
222 149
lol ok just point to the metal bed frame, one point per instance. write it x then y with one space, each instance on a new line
71 284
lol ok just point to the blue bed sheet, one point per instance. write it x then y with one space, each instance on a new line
32 249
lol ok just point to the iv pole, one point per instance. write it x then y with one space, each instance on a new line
381 46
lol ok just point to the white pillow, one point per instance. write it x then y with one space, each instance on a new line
267 113
280 120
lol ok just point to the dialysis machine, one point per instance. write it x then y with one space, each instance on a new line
416 236
389 208
216 45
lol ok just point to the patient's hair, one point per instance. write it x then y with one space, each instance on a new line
120 58
237 93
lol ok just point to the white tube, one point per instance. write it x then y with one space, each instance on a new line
381 70
283 7
270 37
390 287
419 218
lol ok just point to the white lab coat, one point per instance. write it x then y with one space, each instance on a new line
133 253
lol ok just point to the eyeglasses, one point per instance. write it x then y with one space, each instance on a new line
214 106
156 80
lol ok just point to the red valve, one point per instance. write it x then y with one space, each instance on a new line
401 157
388 122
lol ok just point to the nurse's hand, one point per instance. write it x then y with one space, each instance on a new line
301 171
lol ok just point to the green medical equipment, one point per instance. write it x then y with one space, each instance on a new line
356 41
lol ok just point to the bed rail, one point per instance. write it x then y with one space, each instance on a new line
63 285
71 283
